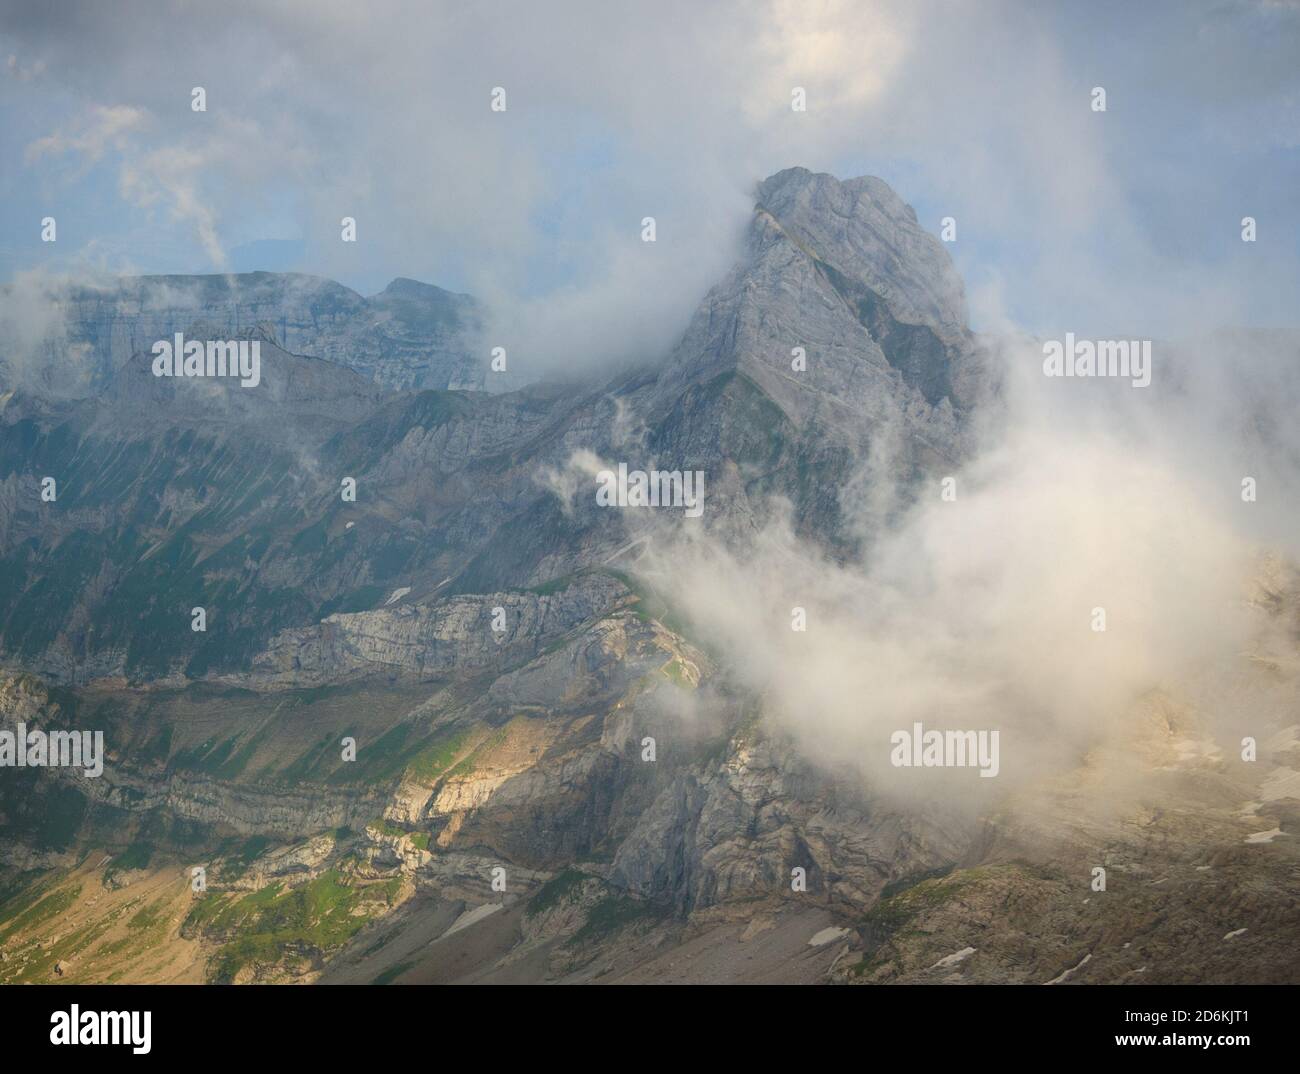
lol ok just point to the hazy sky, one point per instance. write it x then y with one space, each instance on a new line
1126 221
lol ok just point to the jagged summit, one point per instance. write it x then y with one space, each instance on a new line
844 312
864 230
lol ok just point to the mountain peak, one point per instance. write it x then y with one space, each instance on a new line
405 287
863 230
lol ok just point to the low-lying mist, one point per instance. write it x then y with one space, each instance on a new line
1084 499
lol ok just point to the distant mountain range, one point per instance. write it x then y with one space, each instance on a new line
410 335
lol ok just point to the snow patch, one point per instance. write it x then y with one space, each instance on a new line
1071 972
472 917
827 936
955 959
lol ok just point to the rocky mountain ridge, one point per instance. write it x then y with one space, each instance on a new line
554 775
410 335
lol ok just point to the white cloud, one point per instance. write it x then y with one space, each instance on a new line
100 129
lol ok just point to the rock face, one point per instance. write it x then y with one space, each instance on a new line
742 827
174 488
410 335
843 271
427 641
840 338
864 231
296 399
435 703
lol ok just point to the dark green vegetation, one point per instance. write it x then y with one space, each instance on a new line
562 887
260 929
615 912
33 905
136 856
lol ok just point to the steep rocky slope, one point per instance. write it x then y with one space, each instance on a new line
449 730
410 335
176 493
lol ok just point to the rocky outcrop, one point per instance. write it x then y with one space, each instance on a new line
741 828
842 271
410 335
318 493
430 640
